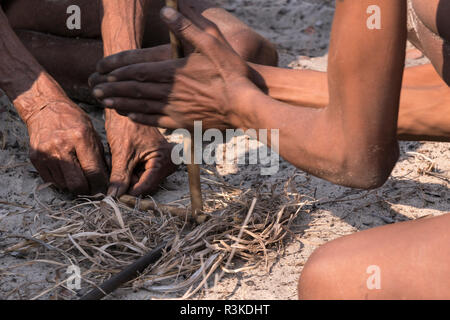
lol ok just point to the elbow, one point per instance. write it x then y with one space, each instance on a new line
368 170
368 177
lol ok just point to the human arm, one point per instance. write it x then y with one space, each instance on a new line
134 145
140 154
350 141
64 147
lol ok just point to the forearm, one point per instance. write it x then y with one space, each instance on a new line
314 139
297 104
309 138
303 88
424 105
123 25
22 78
347 136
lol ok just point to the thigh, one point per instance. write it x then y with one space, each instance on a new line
434 15
69 61
51 17
410 260
429 30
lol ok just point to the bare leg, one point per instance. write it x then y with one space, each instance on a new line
52 19
429 30
69 61
424 112
70 56
409 260
425 103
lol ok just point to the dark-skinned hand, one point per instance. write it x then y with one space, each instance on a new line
140 154
208 85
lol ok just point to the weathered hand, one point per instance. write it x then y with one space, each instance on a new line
209 85
140 156
66 150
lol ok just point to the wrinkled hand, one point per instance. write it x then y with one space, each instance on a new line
66 150
209 85
140 156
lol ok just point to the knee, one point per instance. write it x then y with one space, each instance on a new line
327 274
314 282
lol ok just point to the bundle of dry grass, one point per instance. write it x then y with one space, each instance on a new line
101 237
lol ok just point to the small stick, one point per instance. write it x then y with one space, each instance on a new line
438 175
241 232
6 203
177 48
193 169
145 204
25 243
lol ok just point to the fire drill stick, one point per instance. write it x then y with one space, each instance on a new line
193 169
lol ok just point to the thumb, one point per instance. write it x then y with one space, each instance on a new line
120 178
184 29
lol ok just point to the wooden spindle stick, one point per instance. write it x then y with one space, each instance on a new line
193 169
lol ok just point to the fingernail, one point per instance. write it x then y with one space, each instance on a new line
169 14
112 192
111 79
98 93
108 102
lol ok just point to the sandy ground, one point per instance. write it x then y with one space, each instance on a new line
409 194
